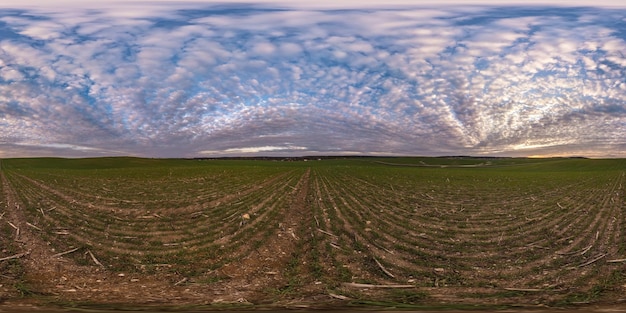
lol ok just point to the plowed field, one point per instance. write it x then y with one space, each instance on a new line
414 233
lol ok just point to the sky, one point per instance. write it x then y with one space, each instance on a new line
244 78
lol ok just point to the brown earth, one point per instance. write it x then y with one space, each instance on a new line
282 272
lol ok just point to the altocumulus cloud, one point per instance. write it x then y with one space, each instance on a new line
200 79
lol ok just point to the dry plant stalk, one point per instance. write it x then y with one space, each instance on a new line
65 252
593 260
327 233
358 285
524 289
340 297
33 226
93 257
384 269
15 256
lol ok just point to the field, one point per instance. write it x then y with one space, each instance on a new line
376 232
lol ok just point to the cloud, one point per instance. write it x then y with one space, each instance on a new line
184 80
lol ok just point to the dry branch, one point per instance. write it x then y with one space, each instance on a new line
383 248
327 233
384 269
315 217
94 258
65 252
340 297
616 261
17 234
33 226
357 285
524 289
582 251
334 245
593 260
14 227
2 215
585 250
15 256
180 281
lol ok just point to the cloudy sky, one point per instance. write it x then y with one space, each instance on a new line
201 79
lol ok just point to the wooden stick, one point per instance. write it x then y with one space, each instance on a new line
3 213
340 297
384 269
180 281
33 226
593 261
94 258
14 227
327 233
41 210
64 253
524 289
586 249
15 256
17 234
357 285
315 217
582 251
334 245
616 261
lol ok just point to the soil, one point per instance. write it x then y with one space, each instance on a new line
279 273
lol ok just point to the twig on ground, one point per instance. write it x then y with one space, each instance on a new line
340 297
357 285
582 251
93 257
15 256
616 261
180 281
524 289
593 260
33 226
327 233
65 252
585 250
384 269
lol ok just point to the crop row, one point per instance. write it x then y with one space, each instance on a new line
185 236
463 229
